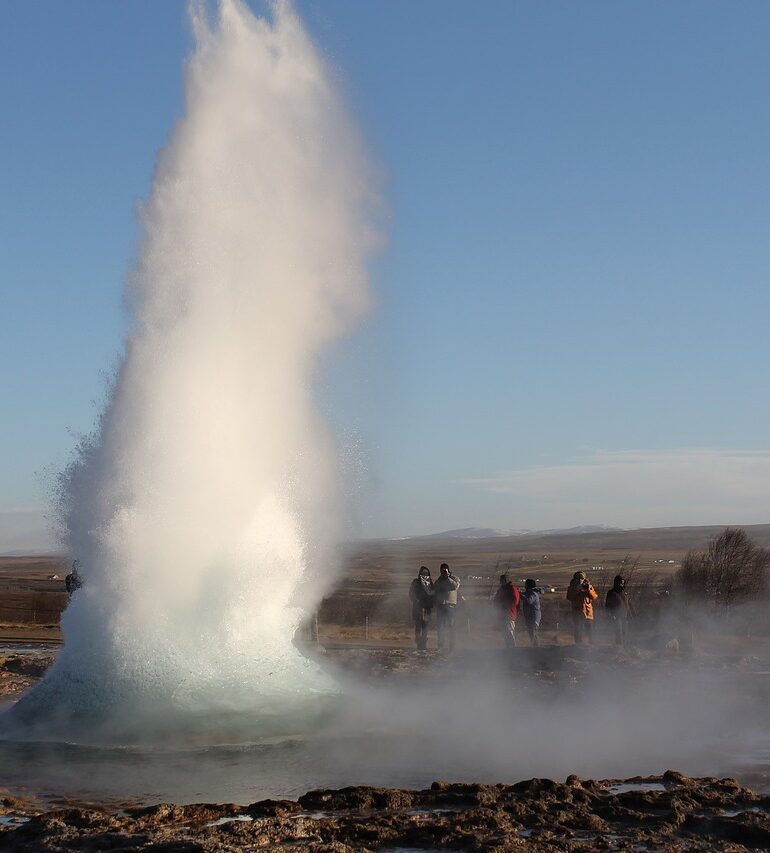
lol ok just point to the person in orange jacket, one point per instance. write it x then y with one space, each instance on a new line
581 595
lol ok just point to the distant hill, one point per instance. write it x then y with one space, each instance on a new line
593 537
469 533
492 533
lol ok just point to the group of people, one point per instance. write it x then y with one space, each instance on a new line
581 595
441 596
509 601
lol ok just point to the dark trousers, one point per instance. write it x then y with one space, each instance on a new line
620 623
421 625
583 627
445 623
533 629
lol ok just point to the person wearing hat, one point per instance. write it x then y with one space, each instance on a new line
507 598
619 608
421 594
445 589
581 595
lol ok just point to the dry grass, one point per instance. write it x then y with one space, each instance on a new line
377 576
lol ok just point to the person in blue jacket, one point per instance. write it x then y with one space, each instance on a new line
530 605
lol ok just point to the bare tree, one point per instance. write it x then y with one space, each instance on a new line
732 569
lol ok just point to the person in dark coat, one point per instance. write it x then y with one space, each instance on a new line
445 588
619 608
421 594
73 581
530 607
507 598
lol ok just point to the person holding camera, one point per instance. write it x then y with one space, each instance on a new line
581 595
445 589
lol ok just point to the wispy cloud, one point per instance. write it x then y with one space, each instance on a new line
637 488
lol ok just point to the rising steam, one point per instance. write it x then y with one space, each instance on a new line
203 508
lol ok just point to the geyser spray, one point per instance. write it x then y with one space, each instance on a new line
202 509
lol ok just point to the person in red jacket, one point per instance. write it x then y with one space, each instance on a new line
507 599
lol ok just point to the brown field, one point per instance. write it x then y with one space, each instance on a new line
370 605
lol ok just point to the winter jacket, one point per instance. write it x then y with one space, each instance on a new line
508 598
582 598
446 588
618 602
421 595
530 605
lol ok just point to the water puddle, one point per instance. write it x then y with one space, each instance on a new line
38 648
736 812
241 818
12 820
435 810
627 787
419 813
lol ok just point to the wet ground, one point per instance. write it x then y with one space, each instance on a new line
92 797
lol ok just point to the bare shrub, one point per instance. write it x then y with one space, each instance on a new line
732 570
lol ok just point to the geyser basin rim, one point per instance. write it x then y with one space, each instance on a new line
290 718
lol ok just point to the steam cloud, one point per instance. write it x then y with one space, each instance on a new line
203 508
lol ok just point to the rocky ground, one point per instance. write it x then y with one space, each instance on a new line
670 812
20 670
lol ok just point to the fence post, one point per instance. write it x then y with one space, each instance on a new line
468 625
366 627
557 633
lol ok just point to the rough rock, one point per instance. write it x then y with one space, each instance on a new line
677 814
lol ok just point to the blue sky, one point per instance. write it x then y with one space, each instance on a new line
573 300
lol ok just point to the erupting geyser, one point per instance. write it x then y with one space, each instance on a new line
202 508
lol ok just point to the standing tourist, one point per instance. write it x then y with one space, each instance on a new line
445 590
507 599
421 594
530 606
73 581
619 608
581 595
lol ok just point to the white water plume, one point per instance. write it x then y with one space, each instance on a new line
203 509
